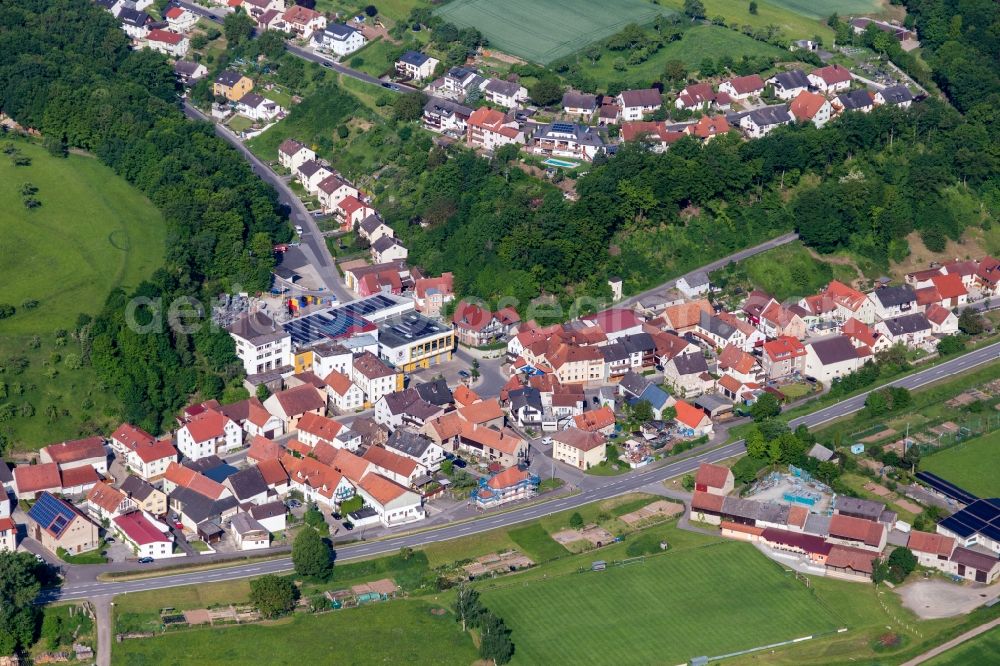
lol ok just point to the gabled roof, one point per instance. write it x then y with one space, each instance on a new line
806 105
165 36
856 99
321 426
911 323
842 557
300 399
688 414
712 476
646 97
782 347
199 483
894 296
482 411
926 542
582 440
228 78
896 94
595 419
770 115
575 100
371 366
244 523
737 359
833 74
105 496
393 462
139 530
508 478
937 314
300 14
272 471
78 476
210 424
247 483
792 79
848 297
137 488
290 147
690 364
950 286
614 320
53 514
33 478
685 315
709 126
856 529
76 450
861 332
414 58
381 489
836 349
744 85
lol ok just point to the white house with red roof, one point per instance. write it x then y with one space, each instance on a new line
783 356
692 421
392 503
77 453
209 433
695 96
743 87
179 19
811 107
104 502
302 21
141 453
510 485
616 322
714 479
314 428
8 535
351 210
168 43
830 79
943 321
148 536
334 189
489 129
431 294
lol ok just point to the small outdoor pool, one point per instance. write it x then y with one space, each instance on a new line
560 163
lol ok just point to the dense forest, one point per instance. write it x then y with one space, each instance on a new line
66 69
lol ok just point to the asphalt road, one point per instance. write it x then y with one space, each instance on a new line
614 487
313 243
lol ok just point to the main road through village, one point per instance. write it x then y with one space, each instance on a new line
597 488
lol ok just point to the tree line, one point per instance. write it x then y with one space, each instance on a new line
67 70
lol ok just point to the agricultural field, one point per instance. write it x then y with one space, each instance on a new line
656 611
970 465
91 234
543 30
402 631
821 10
791 22
697 43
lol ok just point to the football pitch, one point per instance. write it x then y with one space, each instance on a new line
543 30
666 609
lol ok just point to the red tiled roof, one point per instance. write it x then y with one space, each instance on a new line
747 84
843 557
381 489
737 359
857 529
581 440
174 12
927 295
188 478
471 316
465 396
76 450
321 426
481 412
949 286
157 35
614 320
350 205
393 462
79 476
712 476
853 328
210 424
138 529
506 441
926 542
262 448
685 315
937 314
105 496
703 501
300 399
33 478
300 14
595 419
507 478
783 347
272 471
833 74
850 298
708 126
689 415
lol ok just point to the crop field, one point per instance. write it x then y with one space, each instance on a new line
793 23
969 465
543 30
821 10
664 610
982 649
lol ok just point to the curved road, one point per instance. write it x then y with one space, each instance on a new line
615 486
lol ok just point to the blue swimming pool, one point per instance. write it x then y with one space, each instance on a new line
560 163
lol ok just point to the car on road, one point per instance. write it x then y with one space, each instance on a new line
464 374
109 540
179 525
327 64
348 525
546 440
40 559
386 84
145 560
298 229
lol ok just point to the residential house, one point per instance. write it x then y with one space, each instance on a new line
293 154
783 356
510 485
855 100
714 479
760 122
634 104
475 325
581 449
788 85
609 113
248 486
743 87
189 72
248 534
202 515
168 43
231 85
209 433
489 129
831 357
892 302
88 452
393 503
180 19
55 523
141 453
311 173
271 515
339 38
911 330
135 23
708 127
372 228
811 107
964 269
416 447
943 321
740 364
431 294
503 446
350 211
863 336
78 480
182 476
776 320
258 108
374 377
508 94
302 22
850 303
567 140
344 394
988 276
146 496
857 532
616 322
254 419
695 97
654 134
692 421
8 535
694 285
750 337
271 19
405 407
388 248
898 95
579 104
460 81
324 484
147 536
332 190
720 333
951 289
932 550
261 344
292 404
400 469
830 79
104 502
441 115
416 66
684 317
600 420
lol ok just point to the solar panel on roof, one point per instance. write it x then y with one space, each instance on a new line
563 127
991 532
51 514
946 488
957 527
984 511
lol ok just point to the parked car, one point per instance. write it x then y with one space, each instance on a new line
179 525
348 525
109 539
458 462
464 374
298 229
294 504
335 515
546 440
145 560
386 84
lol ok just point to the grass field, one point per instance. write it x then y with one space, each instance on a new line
773 12
964 466
543 30
982 649
403 631
665 610
536 543
789 271
821 10
697 43
92 233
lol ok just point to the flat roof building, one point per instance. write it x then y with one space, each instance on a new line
410 341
